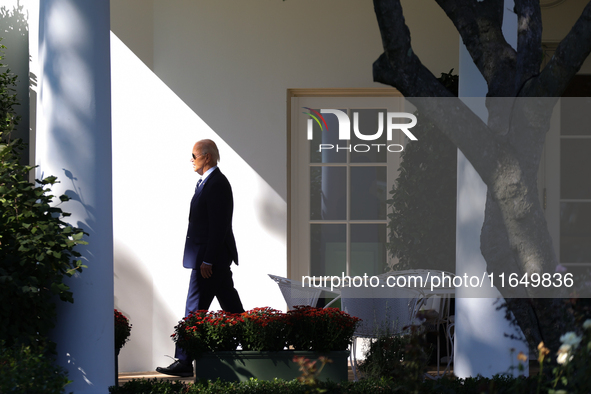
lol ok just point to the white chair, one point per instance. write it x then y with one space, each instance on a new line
440 303
392 314
451 337
295 293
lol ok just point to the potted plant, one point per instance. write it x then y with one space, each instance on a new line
263 342
264 329
122 331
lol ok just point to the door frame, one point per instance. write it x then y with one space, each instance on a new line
318 92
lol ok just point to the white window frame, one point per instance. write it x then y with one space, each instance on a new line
298 247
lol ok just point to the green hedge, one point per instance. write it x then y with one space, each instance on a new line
497 385
29 370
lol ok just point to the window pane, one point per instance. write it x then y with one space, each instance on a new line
368 193
368 124
575 232
328 187
329 136
368 249
575 168
575 116
328 251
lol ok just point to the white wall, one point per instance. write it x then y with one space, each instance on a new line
133 22
153 182
224 67
232 61
559 20
434 37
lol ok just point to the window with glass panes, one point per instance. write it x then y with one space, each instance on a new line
348 192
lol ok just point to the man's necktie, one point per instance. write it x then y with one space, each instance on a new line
198 184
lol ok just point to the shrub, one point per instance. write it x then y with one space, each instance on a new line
320 329
8 118
152 386
36 250
29 370
402 358
36 246
422 203
498 384
384 357
572 372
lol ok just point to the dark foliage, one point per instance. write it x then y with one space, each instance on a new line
29 370
422 217
36 246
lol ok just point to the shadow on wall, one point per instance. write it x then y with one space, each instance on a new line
136 295
153 183
134 288
272 215
14 30
136 299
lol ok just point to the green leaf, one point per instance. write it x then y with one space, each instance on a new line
50 180
78 236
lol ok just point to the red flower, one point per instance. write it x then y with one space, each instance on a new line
304 328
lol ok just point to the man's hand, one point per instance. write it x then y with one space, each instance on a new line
206 270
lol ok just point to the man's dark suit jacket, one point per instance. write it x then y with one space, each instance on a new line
210 239
209 236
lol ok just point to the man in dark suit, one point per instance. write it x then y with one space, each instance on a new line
210 247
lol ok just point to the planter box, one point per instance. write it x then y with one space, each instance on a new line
243 365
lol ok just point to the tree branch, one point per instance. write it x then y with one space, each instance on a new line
480 26
505 153
414 81
399 66
566 62
529 40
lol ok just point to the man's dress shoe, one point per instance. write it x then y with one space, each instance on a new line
177 368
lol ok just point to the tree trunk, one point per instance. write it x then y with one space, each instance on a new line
506 151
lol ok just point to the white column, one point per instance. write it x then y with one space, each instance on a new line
480 343
74 143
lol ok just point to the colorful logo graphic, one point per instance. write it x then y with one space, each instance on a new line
344 131
316 118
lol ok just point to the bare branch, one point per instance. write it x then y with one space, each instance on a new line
566 62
